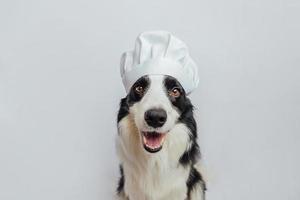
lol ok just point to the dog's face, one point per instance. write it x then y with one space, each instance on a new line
156 103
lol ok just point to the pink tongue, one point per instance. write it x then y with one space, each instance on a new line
153 142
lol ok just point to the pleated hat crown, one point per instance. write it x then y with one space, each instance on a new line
159 53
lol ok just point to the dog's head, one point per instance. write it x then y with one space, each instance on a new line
157 103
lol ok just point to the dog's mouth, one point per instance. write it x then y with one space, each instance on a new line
153 141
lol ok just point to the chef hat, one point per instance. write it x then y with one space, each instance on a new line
159 53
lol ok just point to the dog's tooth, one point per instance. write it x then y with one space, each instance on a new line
144 140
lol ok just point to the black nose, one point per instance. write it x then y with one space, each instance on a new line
155 117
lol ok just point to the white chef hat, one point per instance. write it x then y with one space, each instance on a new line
159 52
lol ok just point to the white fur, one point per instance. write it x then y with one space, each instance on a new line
154 176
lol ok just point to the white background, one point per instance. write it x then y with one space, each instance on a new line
60 89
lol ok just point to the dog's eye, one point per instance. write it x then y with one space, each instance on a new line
139 90
174 92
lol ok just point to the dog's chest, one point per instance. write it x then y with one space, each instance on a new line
156 183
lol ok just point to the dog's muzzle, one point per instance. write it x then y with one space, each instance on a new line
153 141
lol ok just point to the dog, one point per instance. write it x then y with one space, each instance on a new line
157 143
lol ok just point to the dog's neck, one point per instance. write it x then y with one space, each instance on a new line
148 174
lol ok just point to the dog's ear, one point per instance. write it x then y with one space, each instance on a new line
124 109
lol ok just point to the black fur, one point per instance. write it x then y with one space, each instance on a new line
179 102
124 109
191 155
185 107
194 179
133 97
121 181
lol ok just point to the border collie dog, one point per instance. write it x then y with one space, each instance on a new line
157 142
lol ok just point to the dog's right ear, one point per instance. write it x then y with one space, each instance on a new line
124 109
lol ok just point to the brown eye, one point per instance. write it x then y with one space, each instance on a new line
175 92
139 90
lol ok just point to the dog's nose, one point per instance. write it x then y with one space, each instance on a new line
155 117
